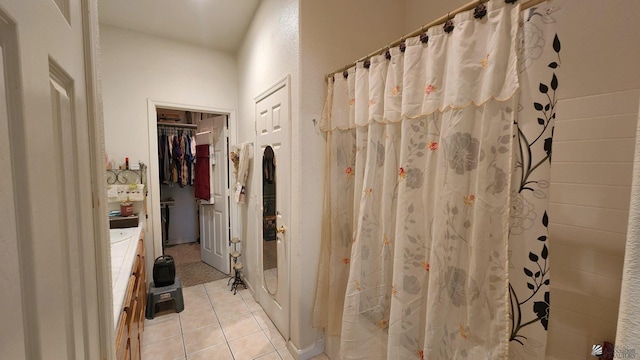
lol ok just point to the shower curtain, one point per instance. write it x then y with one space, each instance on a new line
437 165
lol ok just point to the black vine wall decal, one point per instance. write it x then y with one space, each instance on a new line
537 272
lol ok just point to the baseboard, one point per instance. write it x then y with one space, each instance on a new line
314 349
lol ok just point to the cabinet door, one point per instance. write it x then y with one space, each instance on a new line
122 338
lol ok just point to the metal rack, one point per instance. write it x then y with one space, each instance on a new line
127 176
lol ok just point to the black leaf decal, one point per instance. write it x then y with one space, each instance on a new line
553 65
545 219
546 282
528 272
530 286
545 252
537 275
547 107
548 142
542 238
540 121
533 257
556 44
554 82
544 88
541 308
538 106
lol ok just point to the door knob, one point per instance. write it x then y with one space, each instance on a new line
281 230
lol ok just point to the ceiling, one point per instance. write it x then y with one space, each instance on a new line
216 24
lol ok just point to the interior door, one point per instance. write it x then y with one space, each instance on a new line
272 125
214 215
48 256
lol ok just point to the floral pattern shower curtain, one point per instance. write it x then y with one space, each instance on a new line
425 220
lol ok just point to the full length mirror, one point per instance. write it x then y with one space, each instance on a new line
269 221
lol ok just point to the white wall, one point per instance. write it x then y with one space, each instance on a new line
269 53
333 34
591 171
137 67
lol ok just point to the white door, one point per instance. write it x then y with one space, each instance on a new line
272 125
214 216
48 260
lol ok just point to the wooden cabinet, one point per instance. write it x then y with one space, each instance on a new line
131 324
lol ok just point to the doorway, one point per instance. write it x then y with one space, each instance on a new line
193 228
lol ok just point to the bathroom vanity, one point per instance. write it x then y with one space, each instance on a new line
129 286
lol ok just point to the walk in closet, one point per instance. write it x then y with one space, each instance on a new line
193 175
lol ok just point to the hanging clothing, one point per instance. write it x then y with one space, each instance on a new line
161 158
176 155
269 165
202 179
188 157
183 161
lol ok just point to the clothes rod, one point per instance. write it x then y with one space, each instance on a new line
441 20
176 125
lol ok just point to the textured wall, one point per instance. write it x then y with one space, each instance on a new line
269 53
137 67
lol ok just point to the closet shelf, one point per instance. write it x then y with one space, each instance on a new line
178 125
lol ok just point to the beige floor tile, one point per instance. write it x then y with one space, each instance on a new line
252 304
285 354
203 338
263 319
158 319
322 356
275 337
218 352
167 349
239 326
250 346
223 296
196 302
196 290
191 320
162 330
270 356
230 310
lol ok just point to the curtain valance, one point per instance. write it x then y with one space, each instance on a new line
471 65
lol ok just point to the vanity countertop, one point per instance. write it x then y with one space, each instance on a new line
124 244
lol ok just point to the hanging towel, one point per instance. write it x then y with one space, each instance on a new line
243 173
202 172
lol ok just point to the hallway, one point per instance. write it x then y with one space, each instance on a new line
215 325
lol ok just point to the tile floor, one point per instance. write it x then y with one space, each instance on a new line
215 325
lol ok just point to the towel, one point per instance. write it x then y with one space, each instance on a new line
202 177
243 172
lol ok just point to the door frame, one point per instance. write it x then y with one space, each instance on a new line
153 177
101 249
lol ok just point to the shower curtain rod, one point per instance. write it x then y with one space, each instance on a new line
438 21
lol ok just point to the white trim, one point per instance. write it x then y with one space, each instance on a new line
153 176
98 294
310 351
286 81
